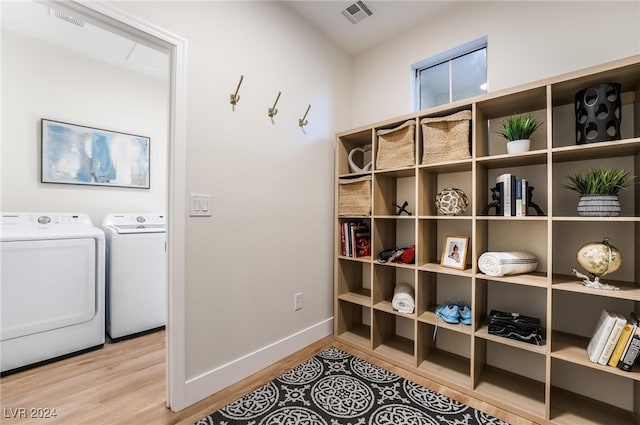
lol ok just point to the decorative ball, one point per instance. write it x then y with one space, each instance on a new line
451 201
599 258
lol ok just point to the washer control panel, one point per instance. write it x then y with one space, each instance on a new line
136 223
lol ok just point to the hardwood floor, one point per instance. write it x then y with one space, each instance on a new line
124 383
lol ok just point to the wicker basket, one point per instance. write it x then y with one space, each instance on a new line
446 138
396 146
354 196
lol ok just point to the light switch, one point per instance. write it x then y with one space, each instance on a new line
199 205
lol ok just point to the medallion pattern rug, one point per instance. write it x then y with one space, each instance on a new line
336 388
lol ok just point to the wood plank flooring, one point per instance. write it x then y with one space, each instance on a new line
124 383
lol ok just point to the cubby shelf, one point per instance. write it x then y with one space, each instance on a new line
483 332
570 409
627 290
445 365
429 316
386 306
573 349
437 268
530 279
360 259
552 383
512 390
362 297
399 349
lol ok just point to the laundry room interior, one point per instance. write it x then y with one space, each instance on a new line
228 245
102 81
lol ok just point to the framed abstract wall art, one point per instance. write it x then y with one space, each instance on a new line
75 154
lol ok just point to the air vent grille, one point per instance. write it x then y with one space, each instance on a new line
65 17
357 12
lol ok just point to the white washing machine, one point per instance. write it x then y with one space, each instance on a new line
136 273
51 287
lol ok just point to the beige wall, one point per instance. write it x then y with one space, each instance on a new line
271 181
40 80
527 41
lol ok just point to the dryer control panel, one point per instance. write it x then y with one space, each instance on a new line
45 219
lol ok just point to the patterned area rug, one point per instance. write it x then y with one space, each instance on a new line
336 388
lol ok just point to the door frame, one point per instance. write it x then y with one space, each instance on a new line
132 27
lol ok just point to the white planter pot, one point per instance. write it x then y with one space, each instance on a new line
599 206
518 146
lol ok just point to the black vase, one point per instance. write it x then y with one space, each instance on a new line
598 113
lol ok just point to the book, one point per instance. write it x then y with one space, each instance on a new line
513 188
636 329
612 340
625 336
343 246
630 356
525 200
347 239
518 204
600 335
362 241
352 238
506 193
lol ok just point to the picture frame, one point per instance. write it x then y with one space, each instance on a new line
81 155
454 252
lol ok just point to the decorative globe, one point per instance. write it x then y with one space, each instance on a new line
599 258
451 201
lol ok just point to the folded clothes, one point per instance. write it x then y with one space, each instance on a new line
403 299
504 263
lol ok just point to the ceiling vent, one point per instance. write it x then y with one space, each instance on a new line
357 12
65 17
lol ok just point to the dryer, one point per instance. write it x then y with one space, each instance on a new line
52 269
136 273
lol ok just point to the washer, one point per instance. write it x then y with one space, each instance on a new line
52 303
136 273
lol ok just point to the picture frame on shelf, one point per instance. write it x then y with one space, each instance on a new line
454 252
77 154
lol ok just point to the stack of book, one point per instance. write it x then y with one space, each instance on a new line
355 239
615 341
513 195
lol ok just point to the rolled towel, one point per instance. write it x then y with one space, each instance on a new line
403 299
510 262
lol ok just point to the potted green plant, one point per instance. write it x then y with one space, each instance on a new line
517 129
598 189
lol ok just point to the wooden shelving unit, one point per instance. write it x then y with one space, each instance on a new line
551 383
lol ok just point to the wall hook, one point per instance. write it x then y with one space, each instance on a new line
302 121
234 97
273 110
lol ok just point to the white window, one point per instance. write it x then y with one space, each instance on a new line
456 74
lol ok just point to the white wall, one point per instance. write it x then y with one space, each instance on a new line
271 181
40 80
527 41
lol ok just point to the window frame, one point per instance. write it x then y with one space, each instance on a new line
444 57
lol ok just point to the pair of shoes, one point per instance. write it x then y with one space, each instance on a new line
455 312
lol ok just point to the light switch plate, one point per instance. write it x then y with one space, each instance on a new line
199 205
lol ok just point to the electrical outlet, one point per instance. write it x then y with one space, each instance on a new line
297 301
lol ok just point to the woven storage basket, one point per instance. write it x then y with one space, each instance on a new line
396 146
354 196
445 138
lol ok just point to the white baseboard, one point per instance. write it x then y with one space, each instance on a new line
221 377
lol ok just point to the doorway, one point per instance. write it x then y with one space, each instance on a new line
29 194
